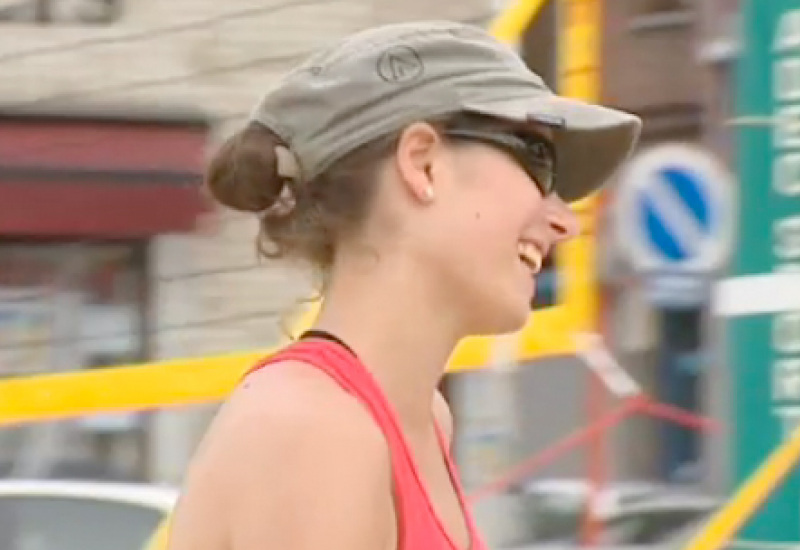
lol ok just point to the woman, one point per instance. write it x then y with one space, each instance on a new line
415 166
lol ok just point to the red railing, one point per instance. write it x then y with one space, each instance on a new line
634 402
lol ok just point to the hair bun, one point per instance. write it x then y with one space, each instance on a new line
243 175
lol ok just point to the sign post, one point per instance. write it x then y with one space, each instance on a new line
763 336
674 220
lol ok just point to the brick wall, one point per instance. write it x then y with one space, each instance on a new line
650 65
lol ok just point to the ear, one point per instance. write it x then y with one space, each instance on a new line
417 149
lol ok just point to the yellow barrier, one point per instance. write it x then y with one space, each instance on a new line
179 382
750 495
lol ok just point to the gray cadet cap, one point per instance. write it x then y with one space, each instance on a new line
377 81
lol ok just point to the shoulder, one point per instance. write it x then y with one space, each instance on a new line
296 400
295 404
291 448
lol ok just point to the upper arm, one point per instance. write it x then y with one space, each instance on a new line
303 469
443 415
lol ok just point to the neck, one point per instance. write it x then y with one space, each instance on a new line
392 320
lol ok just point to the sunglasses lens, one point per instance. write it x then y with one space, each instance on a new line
535 154
542 177
541 164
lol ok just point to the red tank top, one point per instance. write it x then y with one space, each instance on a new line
419 526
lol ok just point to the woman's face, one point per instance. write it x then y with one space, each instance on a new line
478 222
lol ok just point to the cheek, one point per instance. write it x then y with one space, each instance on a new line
480 235
503 204
494 182
485 207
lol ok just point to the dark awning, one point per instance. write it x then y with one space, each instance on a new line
92 175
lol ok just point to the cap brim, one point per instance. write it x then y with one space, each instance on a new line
592 143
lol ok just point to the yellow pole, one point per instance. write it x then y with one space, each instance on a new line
512 23
750 495
580 57
580 74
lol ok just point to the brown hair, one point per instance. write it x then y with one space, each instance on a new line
306 222
243 175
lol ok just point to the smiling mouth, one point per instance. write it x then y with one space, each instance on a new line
530 255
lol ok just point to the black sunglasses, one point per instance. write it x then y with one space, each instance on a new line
535 154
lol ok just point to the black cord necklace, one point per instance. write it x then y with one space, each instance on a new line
325 335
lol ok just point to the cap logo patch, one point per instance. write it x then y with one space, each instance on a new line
400 64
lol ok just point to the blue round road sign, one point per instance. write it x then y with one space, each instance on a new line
674 210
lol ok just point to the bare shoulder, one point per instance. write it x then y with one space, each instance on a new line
293 391
293 402
443 415
297 463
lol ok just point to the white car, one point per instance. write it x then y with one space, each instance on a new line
553 509
80 515
667 522
631 515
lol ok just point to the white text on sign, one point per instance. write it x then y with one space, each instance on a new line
786 231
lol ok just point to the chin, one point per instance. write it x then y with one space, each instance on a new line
516 321
505 320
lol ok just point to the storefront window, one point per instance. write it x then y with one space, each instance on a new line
62 12
72 306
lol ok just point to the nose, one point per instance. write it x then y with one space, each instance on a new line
561 220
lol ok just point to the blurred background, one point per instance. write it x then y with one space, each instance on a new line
110 256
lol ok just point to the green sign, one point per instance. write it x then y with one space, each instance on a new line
764 344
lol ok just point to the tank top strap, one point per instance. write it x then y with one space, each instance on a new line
452 468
